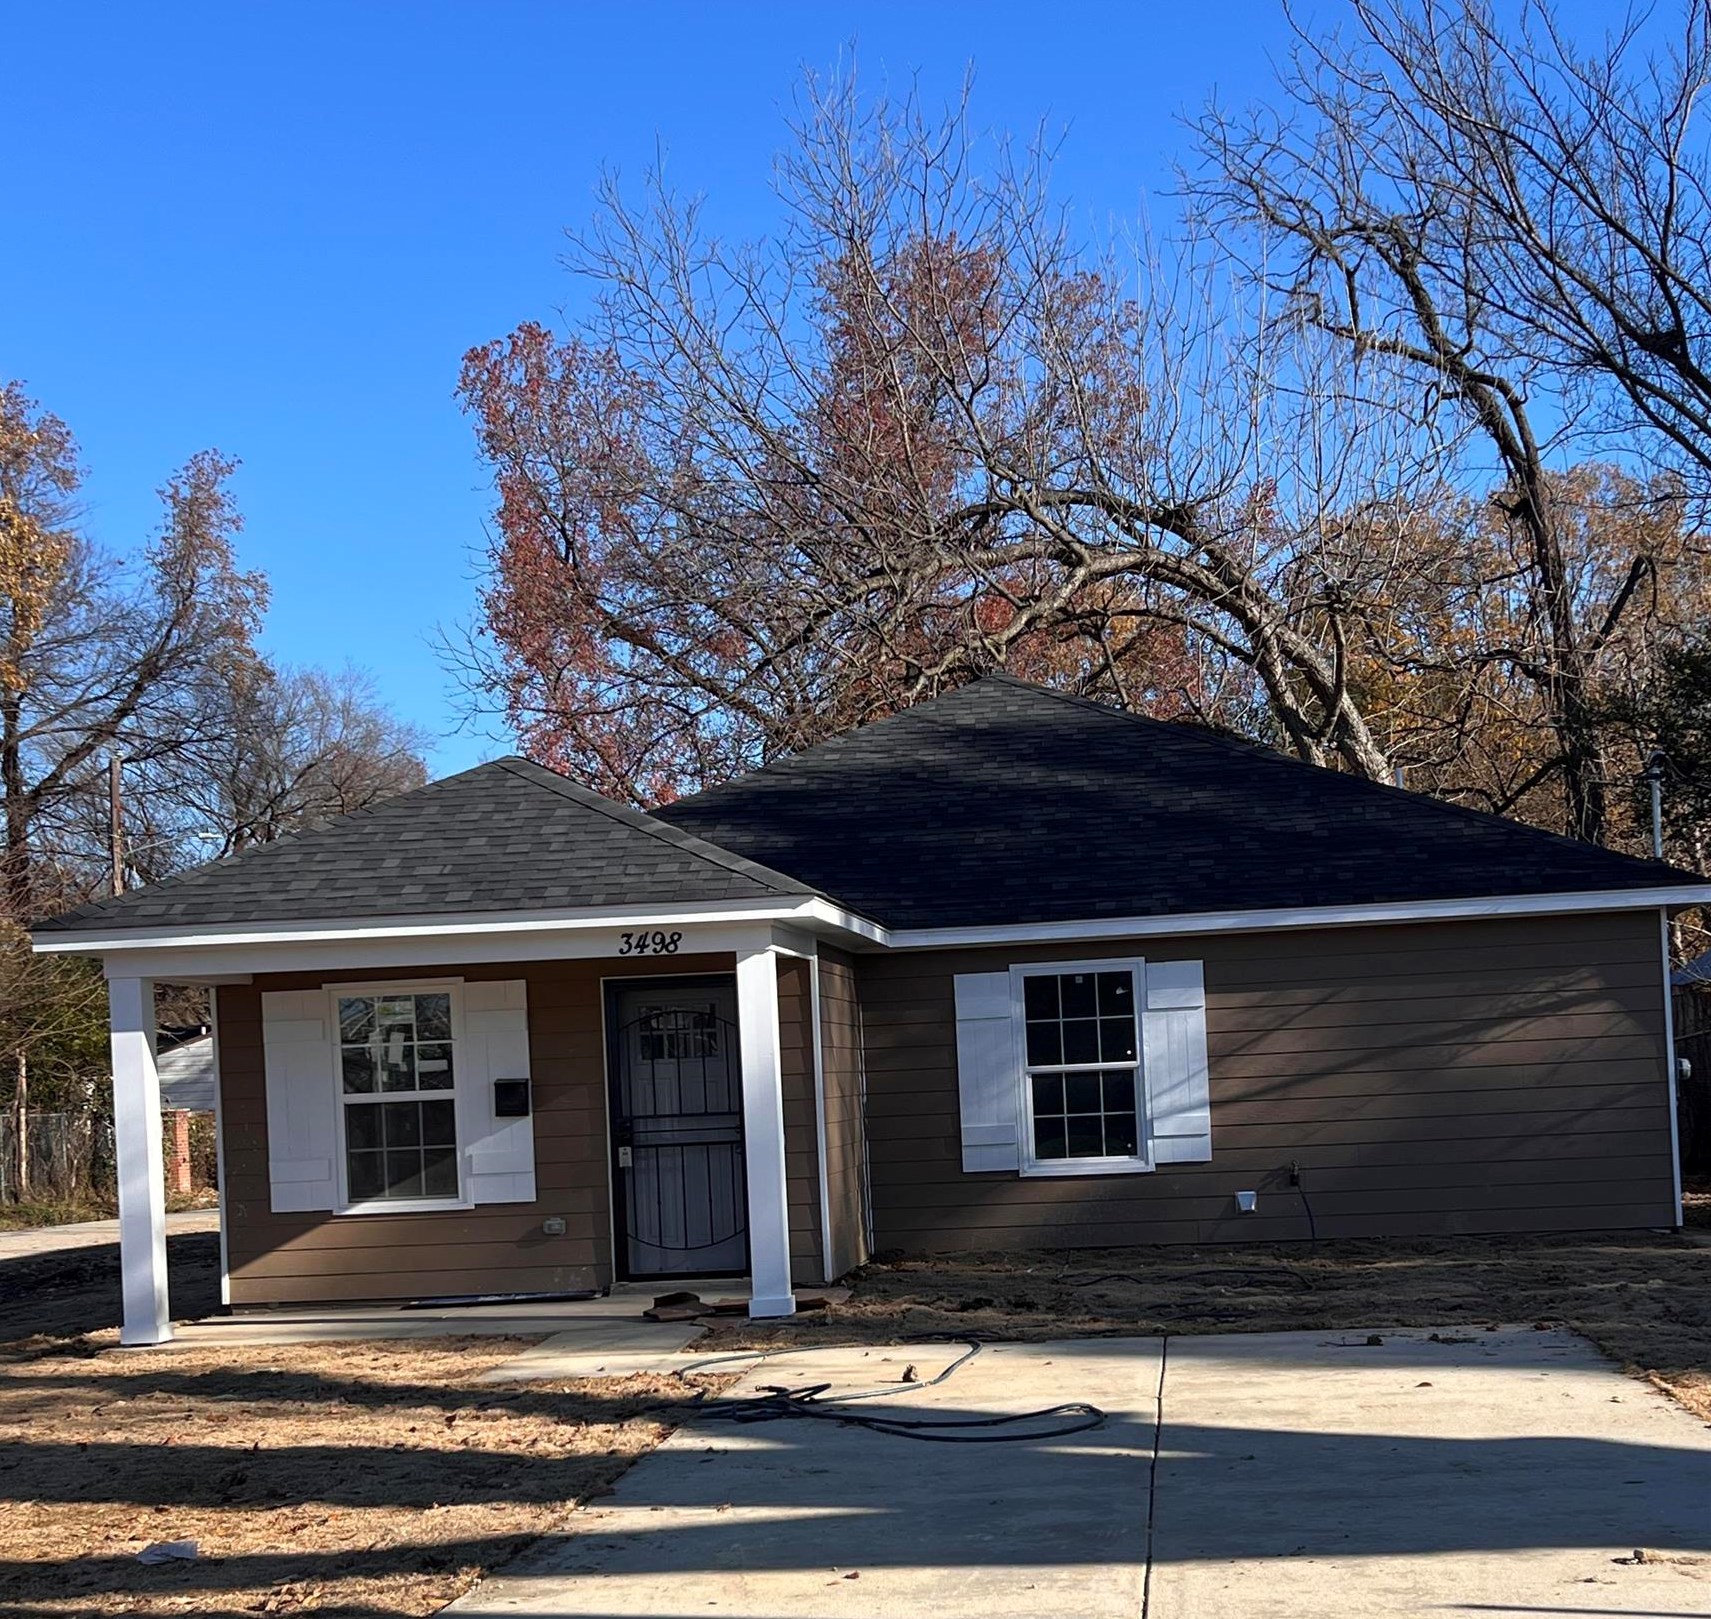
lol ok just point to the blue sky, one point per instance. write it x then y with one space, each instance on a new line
275 229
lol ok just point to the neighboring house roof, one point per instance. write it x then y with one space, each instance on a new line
187 1074
1004 803
1693 974
505 836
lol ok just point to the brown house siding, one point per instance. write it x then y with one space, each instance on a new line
500 1247
1429 1079
801 1133
846 1166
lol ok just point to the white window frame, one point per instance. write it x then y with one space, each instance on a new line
456 1096
1031 1164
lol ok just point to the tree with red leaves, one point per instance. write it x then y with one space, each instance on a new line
765 493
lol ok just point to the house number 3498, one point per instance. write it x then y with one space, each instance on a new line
654 943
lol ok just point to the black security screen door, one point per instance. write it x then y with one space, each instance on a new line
677 1129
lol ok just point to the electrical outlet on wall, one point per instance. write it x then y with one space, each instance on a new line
553 1225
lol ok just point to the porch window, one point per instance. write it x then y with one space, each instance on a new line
677 1034
397 1079
1082 1066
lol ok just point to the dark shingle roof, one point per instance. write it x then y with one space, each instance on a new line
999 803
506 836
1004 802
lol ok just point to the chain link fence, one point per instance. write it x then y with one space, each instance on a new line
69 1158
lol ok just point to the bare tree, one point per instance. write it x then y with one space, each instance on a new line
96 656
294 749
767 492
1515 222
1581 174
1467 723
52 1029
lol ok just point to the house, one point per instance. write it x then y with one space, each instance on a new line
1010 970
184 1066
1695 974
184 1062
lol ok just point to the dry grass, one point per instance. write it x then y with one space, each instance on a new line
53 1211
1644 1299
91 1205
370 1478
337 1479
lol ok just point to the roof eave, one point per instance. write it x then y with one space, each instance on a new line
781 908
827 915
1472 908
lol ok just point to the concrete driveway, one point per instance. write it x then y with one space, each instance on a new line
1294 1474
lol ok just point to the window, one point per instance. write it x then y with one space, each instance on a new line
1082 1065
397 1078
677 1034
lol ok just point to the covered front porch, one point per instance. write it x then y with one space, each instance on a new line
504 1107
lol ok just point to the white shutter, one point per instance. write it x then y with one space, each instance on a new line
1173 1038
302 1127
987 1079
499 1154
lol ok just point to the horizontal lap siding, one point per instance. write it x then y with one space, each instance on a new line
840 1043
801 1130
1435 1079
497 1248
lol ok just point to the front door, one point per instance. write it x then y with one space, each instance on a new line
677 1129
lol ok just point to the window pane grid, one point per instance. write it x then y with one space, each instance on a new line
1082 1064
678 1034
395 1043
395 1065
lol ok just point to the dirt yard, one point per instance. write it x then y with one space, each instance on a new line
335 1479
1644 1299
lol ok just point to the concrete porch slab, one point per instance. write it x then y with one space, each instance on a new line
623 1348
609 1326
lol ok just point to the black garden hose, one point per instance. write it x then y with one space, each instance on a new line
811 1401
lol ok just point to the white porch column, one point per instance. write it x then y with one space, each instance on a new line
763 1134
142 1169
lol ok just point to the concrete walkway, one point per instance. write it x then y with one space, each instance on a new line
809 1518
53 1239
1290 1474
1312 1476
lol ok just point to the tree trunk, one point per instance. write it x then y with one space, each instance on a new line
21 1123
15 857
1566 687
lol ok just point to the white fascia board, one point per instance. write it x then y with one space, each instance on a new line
407 927
176 953
804 910
235 954
383 954
1317 916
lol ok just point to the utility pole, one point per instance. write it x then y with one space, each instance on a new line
1654 777
115 824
